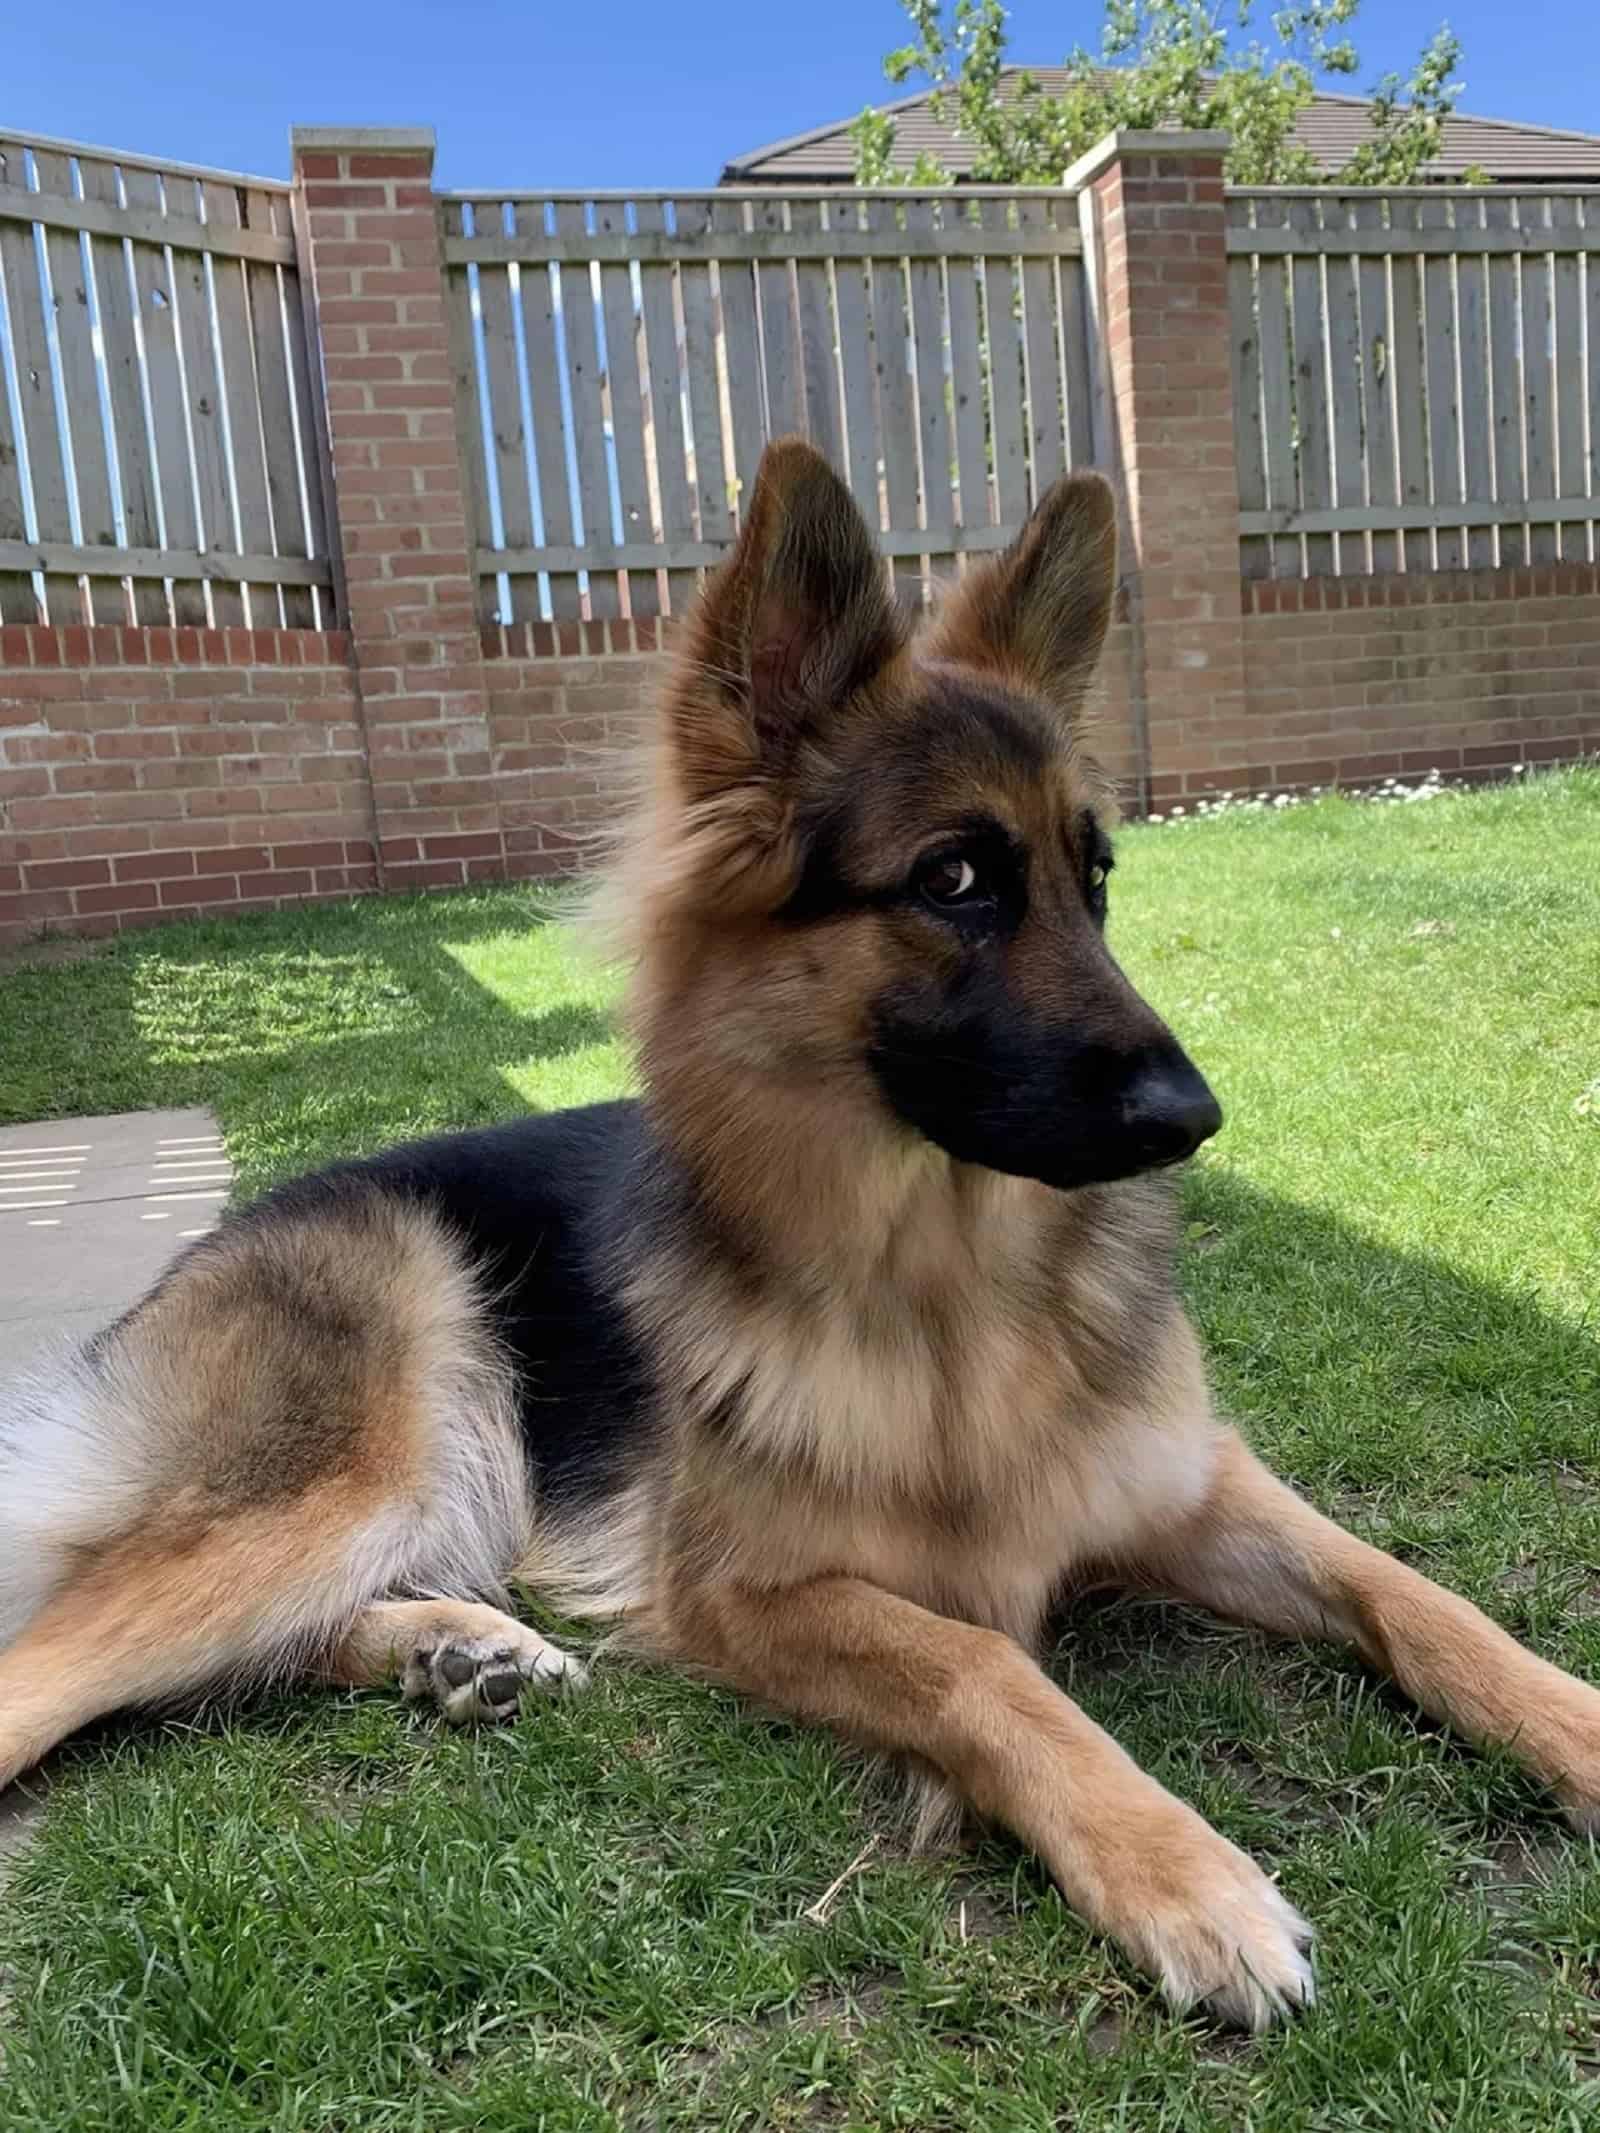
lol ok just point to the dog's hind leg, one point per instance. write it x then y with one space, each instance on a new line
308 1417
186 1602
473 1662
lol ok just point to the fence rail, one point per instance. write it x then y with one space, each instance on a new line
158 407
622 360
1416 378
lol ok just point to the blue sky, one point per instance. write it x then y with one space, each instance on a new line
628 92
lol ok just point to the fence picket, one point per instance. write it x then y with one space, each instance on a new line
780 331
1007 439
30 345
1567 354
1076 371
626 399
313 465
1410 403
1041 355
1444 410
1249 444
818 352
897 415
1379 465
586 387
158 318
674 515
967 387
1538 381
280 438
203 405
537 298
736 295
928 336
18 602
90 468
1472 356
225 209
1311 405
852 297
124 391
712 497
1505 365
1286 557
1344 383
508 438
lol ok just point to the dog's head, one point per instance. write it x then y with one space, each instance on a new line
876 862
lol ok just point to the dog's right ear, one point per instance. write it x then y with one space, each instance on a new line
1037 614
796 620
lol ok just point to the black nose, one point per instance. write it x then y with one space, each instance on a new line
1168 1111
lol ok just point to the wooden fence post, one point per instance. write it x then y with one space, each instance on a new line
1156 260
371 257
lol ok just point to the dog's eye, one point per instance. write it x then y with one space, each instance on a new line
949 880
1099 875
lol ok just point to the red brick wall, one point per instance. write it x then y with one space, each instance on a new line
564 733
147 772
1356 679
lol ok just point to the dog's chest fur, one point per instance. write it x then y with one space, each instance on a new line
1002 1402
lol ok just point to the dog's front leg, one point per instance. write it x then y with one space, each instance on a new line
1132 1860
1257 1552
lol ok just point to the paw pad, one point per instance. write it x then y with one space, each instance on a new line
471 1678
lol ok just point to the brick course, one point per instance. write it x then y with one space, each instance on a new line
144 772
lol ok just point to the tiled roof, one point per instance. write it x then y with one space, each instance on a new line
1331 128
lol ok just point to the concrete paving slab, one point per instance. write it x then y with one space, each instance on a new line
92 1210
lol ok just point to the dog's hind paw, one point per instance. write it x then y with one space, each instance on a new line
473 1679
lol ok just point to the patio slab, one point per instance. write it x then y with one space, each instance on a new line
92 1210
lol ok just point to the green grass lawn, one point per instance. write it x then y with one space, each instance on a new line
326 1914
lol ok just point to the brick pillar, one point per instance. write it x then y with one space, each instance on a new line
368 231
1155 252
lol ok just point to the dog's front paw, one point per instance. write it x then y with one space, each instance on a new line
1577 1781
1210 1926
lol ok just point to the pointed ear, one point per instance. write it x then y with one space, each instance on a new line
1038 613
796 619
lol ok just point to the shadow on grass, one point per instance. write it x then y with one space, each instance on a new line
1368 1367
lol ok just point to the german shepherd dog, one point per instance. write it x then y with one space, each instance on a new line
822 1368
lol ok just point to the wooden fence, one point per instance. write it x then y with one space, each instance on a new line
1416 382
622 360
1416 378
159 426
